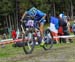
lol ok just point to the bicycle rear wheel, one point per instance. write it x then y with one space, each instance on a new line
48 40
28 43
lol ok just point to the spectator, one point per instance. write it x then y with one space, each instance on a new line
17 34
54 25
13 34
73 28
60 30
65 28
68 24
3 37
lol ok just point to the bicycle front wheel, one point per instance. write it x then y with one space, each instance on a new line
28 44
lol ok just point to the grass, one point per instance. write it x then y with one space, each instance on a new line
12 53
9 51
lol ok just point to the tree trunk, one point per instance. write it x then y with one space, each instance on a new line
9 21
54 8
71 10
6 20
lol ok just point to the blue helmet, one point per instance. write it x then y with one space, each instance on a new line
32 11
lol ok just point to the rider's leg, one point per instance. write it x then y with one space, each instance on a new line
42 33
41 30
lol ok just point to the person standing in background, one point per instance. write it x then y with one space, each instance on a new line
65 28
4 36
54 25
13 34
73 28
68 24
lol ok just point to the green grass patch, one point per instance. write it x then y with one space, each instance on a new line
10 51
64 44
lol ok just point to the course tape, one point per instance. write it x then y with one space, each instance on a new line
67 36
8 41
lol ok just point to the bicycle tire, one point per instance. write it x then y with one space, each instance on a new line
28 46
48 41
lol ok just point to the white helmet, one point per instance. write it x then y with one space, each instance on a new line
61 15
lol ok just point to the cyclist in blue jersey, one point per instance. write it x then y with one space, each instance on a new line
38 16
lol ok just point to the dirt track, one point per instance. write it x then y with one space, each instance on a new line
61 54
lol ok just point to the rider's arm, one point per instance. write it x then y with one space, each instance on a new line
23 15
41 14
44 16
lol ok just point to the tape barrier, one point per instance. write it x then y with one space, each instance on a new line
67 36
8 41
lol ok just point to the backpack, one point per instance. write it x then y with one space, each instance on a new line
73 27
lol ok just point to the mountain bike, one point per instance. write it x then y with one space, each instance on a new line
31 35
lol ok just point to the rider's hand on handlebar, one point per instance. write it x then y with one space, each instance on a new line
22 21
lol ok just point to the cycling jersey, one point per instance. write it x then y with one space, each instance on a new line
30 23
37 14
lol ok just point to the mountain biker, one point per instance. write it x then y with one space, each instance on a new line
37 16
